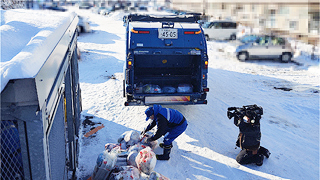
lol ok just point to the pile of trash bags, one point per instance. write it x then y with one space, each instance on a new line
181 88
131 158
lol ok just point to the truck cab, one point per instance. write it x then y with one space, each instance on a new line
166 61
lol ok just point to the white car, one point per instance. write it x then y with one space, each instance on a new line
220 30
266 47
83 25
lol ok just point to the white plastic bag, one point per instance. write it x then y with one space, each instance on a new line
185 88
133 152
157 176
125 173
112 147
152 144
129 138
169 89
151 88
146 160
105 163
132 138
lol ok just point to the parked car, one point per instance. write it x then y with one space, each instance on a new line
220 30
248 39
231 48
56 8
83 25
94 9
266 47
106 11
202 22
85 5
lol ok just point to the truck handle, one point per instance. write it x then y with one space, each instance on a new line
167 24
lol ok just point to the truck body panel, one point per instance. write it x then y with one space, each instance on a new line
166 62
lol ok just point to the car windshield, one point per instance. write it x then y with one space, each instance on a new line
249 38
206 25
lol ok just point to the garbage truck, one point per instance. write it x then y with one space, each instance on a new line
166 60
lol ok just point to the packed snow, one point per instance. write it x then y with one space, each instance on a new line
27 37
206 150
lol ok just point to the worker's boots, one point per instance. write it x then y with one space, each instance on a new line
259 159
166 152
162 145
264 151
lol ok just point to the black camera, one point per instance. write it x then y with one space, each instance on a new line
253 112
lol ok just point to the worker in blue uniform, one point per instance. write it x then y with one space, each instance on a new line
170 124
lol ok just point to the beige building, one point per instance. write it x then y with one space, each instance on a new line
295 18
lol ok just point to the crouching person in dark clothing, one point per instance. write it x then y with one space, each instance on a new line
170 124
249 141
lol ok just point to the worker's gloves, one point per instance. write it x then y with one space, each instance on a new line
143 132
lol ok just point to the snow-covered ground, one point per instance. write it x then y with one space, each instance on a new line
206 150
290 124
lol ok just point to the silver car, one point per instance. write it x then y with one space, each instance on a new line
266 47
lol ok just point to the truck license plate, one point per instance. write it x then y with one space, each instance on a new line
168 33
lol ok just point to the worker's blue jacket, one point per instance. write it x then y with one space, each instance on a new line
170 123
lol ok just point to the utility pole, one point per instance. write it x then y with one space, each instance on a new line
203 9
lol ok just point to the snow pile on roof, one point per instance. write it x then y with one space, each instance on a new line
27 38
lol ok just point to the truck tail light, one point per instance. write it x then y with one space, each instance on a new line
129 64
192 32
206 64
144 32
203 76
140 32
206 89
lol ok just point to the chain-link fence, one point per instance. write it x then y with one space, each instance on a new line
11 159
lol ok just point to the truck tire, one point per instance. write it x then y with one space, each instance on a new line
124 89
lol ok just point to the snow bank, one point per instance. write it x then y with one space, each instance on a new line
27 38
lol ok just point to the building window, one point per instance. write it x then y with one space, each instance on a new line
253 7
314 25
262 22
239 7
293 25
284 10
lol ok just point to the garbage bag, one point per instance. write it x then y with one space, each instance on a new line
125 173
133 152
169 89
132 137
146 160
131 159
151 88
152 144
137 147
185 88
105 163
157 176
112 147
129 138
144 176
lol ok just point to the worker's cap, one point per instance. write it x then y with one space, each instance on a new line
149 112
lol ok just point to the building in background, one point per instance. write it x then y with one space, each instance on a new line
294 18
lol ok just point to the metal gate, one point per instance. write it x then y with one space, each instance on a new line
40 117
